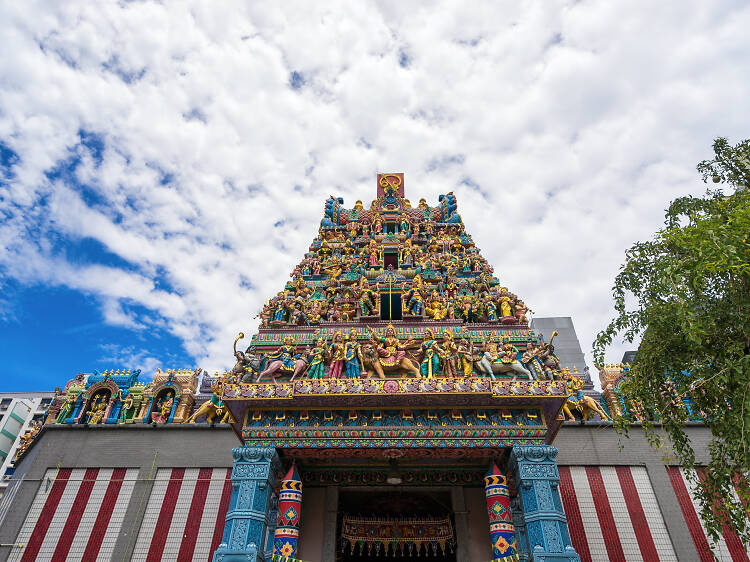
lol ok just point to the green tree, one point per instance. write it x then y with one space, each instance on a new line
686 293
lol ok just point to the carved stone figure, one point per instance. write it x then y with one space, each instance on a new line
286 360
317 360
577 400
430 353
213 407
391 353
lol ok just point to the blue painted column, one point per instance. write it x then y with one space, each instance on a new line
536 477
250 522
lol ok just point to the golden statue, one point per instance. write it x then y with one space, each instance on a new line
504 303
436 307
585 405
213 407
96 413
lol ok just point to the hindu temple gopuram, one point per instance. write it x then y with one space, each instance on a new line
397 402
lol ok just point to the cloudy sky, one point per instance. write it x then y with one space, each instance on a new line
163 165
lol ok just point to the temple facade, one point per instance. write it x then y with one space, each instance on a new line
395 402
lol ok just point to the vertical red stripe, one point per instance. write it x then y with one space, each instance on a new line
159 539
734 544
637 516
75 515
604 513
688 511
226 495
193 524
45 517
105 514
573 514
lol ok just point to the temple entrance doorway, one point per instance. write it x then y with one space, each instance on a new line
391 526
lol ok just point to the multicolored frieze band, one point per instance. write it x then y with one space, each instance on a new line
437 385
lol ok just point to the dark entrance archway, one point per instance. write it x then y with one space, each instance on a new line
389 506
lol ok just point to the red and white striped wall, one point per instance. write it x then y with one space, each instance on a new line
76 515
184 517
729 548
613 514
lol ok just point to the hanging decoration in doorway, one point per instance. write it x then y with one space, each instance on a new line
502 530
286 536
397 536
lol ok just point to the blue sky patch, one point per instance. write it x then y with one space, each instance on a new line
58 332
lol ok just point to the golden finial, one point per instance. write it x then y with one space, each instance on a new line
575 369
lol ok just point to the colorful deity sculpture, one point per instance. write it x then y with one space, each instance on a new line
577 400
213 407
502 530
414 300
505 310
531 359
436 307
450 354
28 437
67 407
280 309
508 359
128 404
521 310
430 352
353 355
465 354
367 299
286 359
337 356
95 414
491 309
373 254
404 226
163 408
391 353
317 360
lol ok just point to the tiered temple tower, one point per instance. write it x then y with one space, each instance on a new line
395 367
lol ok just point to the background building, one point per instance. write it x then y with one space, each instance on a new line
18 410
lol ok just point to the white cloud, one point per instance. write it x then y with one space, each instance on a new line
576 123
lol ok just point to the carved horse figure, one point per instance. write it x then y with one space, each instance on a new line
285 360
491 367
275 366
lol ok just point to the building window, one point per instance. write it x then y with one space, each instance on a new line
390 257
390 306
